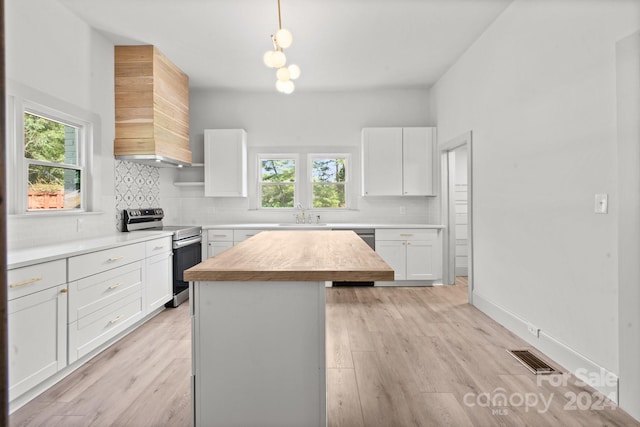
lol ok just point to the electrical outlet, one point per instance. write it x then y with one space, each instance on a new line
533 330
403 210
601 203
80 224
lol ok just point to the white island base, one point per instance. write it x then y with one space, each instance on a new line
258 353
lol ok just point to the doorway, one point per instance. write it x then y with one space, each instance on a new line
457 191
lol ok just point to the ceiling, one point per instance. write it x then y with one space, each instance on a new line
338 44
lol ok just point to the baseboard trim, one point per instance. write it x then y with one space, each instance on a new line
582 367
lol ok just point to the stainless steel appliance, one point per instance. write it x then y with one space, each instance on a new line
369 237
187 251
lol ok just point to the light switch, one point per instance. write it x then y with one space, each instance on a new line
601 205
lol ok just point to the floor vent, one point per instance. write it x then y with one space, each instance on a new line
532 362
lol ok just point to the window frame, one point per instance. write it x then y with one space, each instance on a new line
22 99
347 178
80 147
296 183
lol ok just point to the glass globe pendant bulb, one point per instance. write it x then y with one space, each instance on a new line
294 71
267 58
284 38
288 87
280 86
283 74
278 59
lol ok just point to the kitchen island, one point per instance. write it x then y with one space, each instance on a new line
258 325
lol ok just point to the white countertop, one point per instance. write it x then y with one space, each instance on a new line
29 256
336 226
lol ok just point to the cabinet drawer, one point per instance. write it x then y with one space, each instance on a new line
158 246
97 262
424 234
100 326
240 235
95 292
220 235
27 280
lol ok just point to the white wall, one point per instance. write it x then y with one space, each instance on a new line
538 90
49 50
628 89
325 119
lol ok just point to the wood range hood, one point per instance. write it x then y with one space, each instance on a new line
152 108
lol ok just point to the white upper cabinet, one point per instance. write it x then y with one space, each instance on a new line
417 161
397 161
382 161
225 163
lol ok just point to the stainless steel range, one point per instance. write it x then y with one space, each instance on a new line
186 245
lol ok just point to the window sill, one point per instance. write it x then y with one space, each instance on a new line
43 214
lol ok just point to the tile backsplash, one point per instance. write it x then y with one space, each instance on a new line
137 186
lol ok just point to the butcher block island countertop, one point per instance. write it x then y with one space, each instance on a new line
258 326
306 255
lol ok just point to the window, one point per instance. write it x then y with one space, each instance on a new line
53 163
277 181
328 181
50 154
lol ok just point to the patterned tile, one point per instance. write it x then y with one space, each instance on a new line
137 186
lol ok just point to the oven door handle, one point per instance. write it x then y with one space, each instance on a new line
182 243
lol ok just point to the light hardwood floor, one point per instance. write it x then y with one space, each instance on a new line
395 357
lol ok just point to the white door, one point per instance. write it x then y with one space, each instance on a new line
393 253
214 248
382 161
159 280
37 338
423 262
417 154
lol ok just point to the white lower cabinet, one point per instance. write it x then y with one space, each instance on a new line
37 324
240 235
159 280
105 304
218 240
52 324
414 254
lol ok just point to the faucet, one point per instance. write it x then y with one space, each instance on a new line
298 219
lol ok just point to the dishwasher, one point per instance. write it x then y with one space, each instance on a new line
369 237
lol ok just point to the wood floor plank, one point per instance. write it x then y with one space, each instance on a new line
395 357
338 345
343 409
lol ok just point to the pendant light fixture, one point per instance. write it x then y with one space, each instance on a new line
276 58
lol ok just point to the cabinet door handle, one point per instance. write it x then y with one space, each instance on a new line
406 234
64 290
157 248
117 285
116 320
219 235
26 282
115 258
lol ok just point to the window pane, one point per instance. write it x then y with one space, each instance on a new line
283 170
329 196
328 170
277 195
50 141
53 188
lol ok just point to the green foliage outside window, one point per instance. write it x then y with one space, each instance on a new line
44 140
51 149
328 182
278 183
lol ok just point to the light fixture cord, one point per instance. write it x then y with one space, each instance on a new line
279 17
